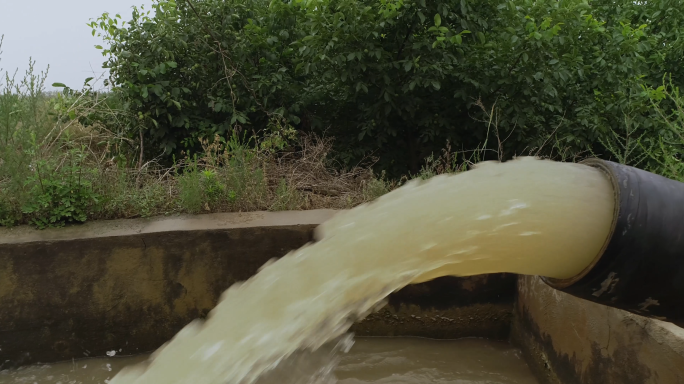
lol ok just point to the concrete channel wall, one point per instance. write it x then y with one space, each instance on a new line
568 340
130 285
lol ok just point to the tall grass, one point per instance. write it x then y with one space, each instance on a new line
662 154
25 125
74 156
667 154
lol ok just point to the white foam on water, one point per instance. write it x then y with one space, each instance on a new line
525 216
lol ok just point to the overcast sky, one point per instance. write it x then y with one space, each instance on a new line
55 33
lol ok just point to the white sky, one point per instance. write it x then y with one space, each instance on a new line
55 33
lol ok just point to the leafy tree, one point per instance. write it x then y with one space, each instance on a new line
399 78
194 71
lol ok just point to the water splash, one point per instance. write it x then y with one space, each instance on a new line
525 216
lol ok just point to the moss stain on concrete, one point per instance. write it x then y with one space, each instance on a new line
572 341
131 287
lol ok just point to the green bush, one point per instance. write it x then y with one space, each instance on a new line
377 187
667 154
196 72
25 126
128 193
78 155
190 187
397 79
214 102
287 197
60 194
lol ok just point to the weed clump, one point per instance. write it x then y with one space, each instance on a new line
77 155
73 156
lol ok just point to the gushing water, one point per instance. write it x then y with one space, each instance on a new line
525 216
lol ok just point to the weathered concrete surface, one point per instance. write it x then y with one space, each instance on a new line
573 341
176 223
130 285
447 308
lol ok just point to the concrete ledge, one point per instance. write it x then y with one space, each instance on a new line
176 223
573 341
130 285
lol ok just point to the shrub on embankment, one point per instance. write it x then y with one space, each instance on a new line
67 158
215 105
398 78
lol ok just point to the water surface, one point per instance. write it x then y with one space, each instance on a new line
369 361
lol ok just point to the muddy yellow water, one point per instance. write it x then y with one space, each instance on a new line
370 360
525 216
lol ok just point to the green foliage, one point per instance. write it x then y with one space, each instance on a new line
126 194
192 72
190 183
211 186
375 188
396 79
287 198
230 87
626 148
78 155
24 123
668 152
545 64
59 194
662 154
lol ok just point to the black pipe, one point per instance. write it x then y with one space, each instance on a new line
641 267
